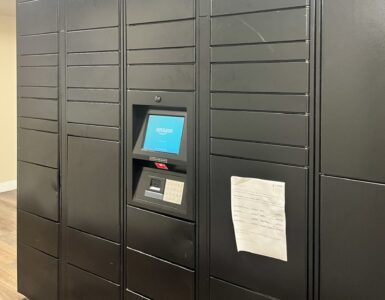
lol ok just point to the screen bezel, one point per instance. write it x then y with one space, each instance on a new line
171 158
146 134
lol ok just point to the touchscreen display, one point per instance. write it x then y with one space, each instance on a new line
164 134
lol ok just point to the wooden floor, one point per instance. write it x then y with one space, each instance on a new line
8 247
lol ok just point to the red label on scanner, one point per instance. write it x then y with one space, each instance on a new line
161 166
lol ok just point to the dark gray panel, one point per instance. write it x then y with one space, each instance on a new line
38 92
161 35
94 58
37 274
38 233
261 52
158 279
97 77
38 147
275 26
222 7
220 290
283 280
92 131
261 102
38 76
39 16
130 295
38 60
288 77
258 151
92 14
352 239
106 39
37 191
93 113
37 108
94 254
38 44
153 234
82 285
161 56
36 124
93 187
93 95
353 110
139 11
285 129
157 77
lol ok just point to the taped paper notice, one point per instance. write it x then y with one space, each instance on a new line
258 211
173 191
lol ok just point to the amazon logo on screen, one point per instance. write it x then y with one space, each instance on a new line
164 131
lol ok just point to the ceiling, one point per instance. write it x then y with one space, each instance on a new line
8 7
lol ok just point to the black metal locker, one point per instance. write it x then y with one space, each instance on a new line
92 187
279 90
38 149
351 156
260 127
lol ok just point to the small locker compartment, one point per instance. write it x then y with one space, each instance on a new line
260 27
88 14
261 274
94 254
273 128
220 290
103 39
139 11
37 191
82 285
37 274
164 237
38 76
93 201
102 114
158 279
46 11
93 76
38 147
224 7
37 44
352 239
38 233
38 109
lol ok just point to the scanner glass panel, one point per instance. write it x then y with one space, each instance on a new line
164 134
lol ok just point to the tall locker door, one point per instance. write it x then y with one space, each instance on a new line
38 154
93 150
260 127
352 202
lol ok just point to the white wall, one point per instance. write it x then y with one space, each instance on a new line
8 148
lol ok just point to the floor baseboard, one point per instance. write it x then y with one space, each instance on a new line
7 186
